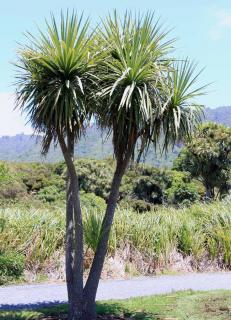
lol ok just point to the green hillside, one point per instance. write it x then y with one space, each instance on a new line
25 148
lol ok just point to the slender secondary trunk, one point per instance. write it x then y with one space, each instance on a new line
77 299
141 152
98 261
69 238
74 237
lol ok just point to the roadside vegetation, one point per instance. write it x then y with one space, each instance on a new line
161 240
190 305
164 222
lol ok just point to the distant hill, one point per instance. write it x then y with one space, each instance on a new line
220 115
26 148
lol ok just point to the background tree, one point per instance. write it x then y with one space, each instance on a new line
143 94
53 84
207 156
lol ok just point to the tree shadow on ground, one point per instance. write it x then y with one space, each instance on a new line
105 311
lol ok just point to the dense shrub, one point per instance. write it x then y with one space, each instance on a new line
12 190
95 176
182 191
142 186
5 175
91 201
11 266
207 157
11 187
137 205
146 189
50 194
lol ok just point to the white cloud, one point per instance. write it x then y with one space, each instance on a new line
11 121
224 18
223 22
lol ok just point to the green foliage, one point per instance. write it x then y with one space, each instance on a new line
142 186
95 176
50 194
143 94
36 176
208 158
182 191
10 186
91 201
191 239
92 231
193 231
146 189
219 235
11 266
156 187
5 175
54 77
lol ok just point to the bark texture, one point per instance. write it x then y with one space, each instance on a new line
74 234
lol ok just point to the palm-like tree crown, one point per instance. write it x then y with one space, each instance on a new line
144 93
52 88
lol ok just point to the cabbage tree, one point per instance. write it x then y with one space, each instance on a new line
135 90
143 94
53 89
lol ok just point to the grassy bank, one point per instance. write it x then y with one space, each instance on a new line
195 238
189 305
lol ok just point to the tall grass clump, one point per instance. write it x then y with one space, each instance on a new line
37 234
202 232
92 221
154 234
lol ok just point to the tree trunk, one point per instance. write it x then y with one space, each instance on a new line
97 265
209 192
74 236
69 238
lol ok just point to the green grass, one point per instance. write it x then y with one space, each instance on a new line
214 305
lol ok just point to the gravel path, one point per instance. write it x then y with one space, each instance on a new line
17 297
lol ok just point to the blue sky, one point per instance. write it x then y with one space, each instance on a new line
203 29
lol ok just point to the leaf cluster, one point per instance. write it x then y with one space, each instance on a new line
123 74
